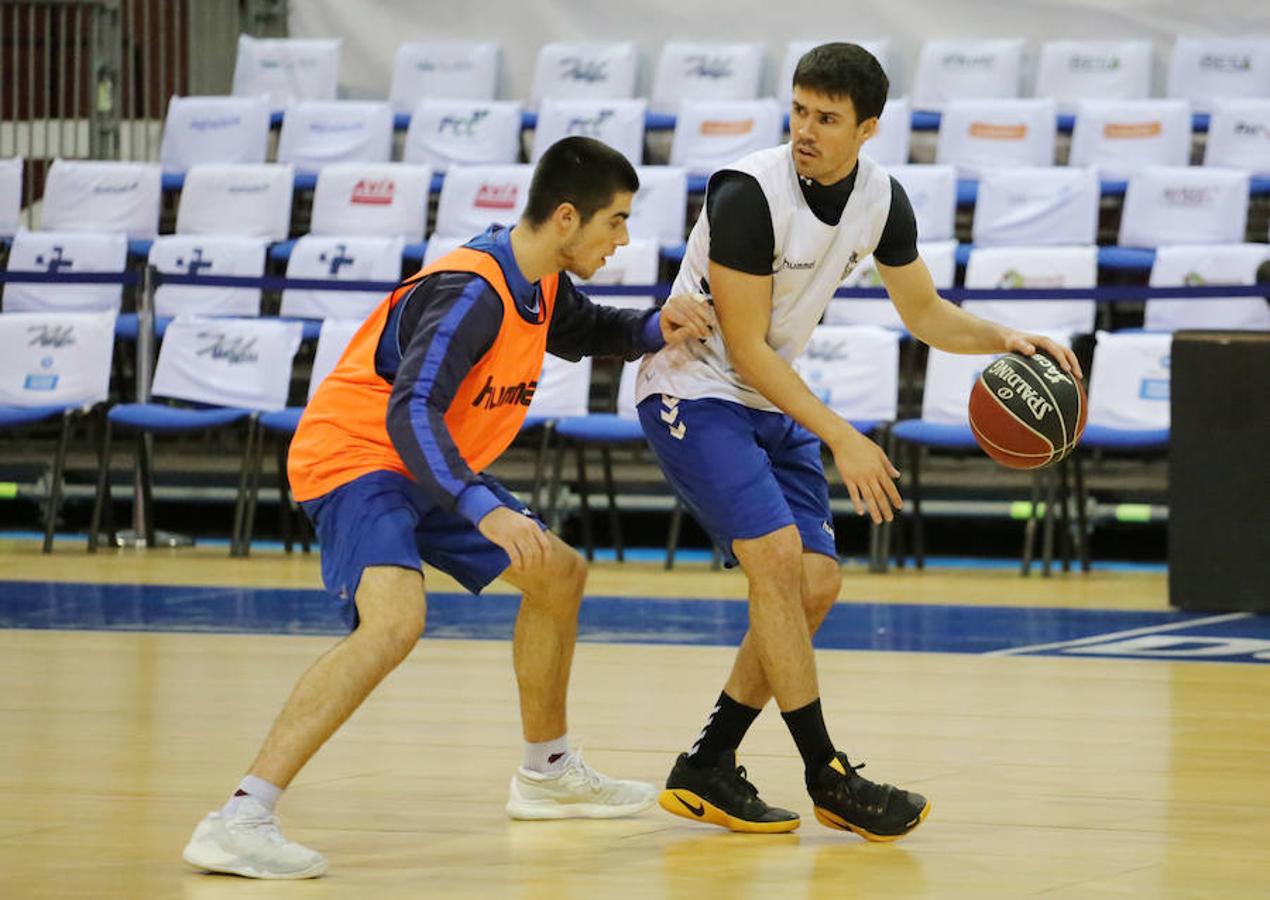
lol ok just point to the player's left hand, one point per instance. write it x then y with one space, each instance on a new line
1028 344
685 318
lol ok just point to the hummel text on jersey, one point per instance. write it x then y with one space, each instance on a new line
492 395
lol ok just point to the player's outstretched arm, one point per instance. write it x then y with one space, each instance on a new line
743 306
948 327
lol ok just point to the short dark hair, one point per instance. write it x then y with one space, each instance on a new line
578 170
845 70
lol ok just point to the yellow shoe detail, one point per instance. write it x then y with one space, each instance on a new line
831 820
836 765
685 803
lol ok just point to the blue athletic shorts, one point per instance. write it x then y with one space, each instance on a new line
386 519
740 472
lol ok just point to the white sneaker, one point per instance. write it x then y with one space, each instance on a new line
248 843
578 792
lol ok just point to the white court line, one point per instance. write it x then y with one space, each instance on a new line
1132 632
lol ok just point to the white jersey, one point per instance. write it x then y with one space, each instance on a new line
810 260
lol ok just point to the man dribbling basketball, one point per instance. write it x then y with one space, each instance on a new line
738 434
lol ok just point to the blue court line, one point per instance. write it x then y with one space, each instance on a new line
892 627
689 555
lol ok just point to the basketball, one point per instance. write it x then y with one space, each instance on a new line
1026 412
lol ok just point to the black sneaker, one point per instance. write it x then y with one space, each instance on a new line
846 800
721 796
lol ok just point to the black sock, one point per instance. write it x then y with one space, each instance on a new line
807 725
723 732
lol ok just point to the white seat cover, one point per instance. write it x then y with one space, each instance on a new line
227 362
1184 205
1206 264
446 133
1122 136
1037 206
49 358
599 71
706 70
660 208
286 69
346 258
1205 70
932 191
966 69
618 123
978 136
854 370
1129 381
475 197
248 200
82 195
1239 136
1036 268
1072 71
214 129
65 251
317 133
185 254
372 200
466 70
712 134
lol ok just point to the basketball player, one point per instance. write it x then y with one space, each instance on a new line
387 463
738 434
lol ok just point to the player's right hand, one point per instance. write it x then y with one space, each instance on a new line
518 534
868 475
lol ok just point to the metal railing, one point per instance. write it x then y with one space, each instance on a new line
90 79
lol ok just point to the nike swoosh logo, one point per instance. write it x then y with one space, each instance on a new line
697 811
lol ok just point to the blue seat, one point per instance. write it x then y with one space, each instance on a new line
22 416
603 431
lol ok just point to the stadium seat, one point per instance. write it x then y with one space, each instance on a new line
65 251
1205 70
1184 205
594 71
714 133
618 123
979 136
317 133
705 71
92 195
450 70
1038 268
225 371
1072 71
1121 137
214 130
1207 264
1036 206
932 192
54 366
950 70
286 69
445 133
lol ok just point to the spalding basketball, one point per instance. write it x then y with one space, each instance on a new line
1026 412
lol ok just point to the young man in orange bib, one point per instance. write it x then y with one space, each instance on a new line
388 461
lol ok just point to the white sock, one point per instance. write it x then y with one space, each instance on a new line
251 786
548 757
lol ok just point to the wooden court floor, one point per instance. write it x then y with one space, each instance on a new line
1049 776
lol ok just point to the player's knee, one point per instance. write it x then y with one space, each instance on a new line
400 632
823 587
566 573
774 558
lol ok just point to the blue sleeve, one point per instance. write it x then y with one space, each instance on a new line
581 328
449 325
